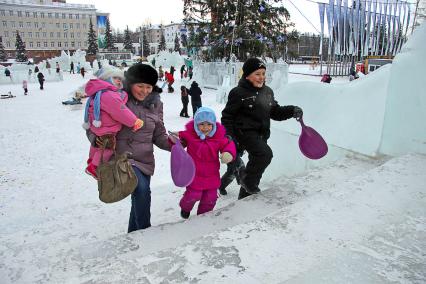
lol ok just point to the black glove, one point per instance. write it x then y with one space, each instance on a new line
297 112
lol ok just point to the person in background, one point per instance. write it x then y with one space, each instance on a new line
205 139
82 71
58 69
25 87
40 78
160 73
182 71
326 78
185 101
195 93
170 80
7 73
172 70
48 66
190 72
247 115
106 113
36 69
72 67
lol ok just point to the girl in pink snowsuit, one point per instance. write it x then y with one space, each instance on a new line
205 139
106 112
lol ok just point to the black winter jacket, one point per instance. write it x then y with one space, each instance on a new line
251 109
195 93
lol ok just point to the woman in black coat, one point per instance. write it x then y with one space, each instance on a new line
40 78
247 118
195 93
185 101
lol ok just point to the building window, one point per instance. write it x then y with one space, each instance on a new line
64 16
79 44
51 34
49 15
11 13
72 35
21 24
64 25
56 15
52 44
70 16
41 14
59 44
12 23
19 13
58 25
77 16
38 44
30 34
45 44
72 44
58 34
77 26
2 12
43 24
35 25
4 24
27 14
65 44
44 34
28 24
6 33
78 35
71 25
7 44
37 34
65 35
35 14
31 44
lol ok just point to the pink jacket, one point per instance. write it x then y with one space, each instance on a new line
114 112
205 154
24 84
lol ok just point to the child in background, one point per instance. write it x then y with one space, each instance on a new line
25 87
106 100
205 139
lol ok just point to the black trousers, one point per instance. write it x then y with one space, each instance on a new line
41 82
195 106
184 111
259 157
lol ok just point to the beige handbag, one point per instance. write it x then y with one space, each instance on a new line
116 178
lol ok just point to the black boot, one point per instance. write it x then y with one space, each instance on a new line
184 214
223 191
248 186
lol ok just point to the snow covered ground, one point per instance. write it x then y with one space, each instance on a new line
348 218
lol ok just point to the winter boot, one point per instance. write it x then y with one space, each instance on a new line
184 214
249 187
223 191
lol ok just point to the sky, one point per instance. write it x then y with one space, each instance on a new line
152 11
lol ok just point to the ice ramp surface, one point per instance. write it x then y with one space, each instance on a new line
366 229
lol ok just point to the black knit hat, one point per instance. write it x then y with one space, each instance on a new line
141 73
251 65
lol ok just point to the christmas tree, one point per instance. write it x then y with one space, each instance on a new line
21 53
92 48
3 56
177 44
127 40
145 44
109 41
162 45
248 28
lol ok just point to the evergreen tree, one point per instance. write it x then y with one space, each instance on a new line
109 41
127 40
3 56
162 45
146 50
92 48
21 53
177 43
253 28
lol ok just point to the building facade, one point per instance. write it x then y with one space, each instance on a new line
46 26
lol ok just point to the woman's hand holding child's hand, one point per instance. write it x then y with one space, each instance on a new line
226 158
138 125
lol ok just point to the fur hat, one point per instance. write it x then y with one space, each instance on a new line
201 115
106 73
141 73
251 65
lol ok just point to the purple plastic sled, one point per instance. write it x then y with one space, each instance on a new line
311 144
182 166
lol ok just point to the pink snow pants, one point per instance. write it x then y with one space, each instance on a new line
96 153
207 198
